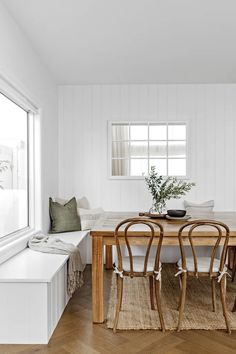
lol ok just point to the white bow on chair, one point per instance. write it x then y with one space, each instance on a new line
221 274
180 271
116 271
157 274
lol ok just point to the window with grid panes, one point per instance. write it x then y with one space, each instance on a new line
135 147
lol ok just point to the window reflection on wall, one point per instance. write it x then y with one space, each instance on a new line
13 167
137 147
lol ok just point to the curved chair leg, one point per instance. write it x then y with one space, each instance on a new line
158 300
213 293
151 285
180 286
225 284
222 295
182 300
121 296
119 301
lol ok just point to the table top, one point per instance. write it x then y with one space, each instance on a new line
107 223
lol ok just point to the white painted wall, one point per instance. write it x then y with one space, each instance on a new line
210 111
20 63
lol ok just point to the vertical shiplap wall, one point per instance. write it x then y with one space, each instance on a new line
84 111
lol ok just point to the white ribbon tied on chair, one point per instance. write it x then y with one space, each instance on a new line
116 271
157 274
180 271
221 274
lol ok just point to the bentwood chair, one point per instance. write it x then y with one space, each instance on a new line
139 266
212 267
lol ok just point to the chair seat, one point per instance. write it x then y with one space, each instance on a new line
203 264
138 264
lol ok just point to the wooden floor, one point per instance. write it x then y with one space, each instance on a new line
75 334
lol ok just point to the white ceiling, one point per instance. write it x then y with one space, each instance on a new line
132 41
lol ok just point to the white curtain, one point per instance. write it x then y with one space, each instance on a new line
120 149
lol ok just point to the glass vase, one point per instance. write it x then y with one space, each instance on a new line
157 209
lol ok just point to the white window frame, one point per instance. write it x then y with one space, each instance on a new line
8 89
109 140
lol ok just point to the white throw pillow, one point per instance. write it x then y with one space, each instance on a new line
199 208
81 203
88 217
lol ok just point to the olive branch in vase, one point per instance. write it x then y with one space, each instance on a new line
165 188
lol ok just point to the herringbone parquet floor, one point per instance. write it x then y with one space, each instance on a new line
75 334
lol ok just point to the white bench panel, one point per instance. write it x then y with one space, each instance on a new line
23 308
57 298
33 292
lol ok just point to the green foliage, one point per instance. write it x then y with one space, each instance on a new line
163 189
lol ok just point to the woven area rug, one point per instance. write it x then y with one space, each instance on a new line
137 314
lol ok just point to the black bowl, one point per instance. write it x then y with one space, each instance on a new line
176 213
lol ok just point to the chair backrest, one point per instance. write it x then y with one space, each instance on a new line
222 230
154 229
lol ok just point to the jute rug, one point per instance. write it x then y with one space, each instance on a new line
137 314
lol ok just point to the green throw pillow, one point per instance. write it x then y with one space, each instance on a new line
64 218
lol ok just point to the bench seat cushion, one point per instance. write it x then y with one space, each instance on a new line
30 266
74 237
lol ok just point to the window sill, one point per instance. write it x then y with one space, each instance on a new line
15 243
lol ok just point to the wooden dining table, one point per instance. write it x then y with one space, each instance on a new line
103 239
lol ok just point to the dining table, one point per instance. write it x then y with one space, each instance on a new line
103 240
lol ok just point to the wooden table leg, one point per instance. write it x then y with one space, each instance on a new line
231 251
234 307
97 279
109 261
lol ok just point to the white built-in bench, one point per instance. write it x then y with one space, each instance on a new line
33 292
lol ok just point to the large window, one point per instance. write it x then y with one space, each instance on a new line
14 171
135 147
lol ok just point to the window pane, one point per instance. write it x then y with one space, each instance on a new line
177 132
13 167
120 132
138 149
138 167
120 167
160 164
120 150
177 167
139 132
157 149
157 132
177 149
138 146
